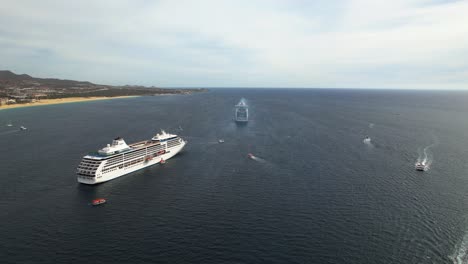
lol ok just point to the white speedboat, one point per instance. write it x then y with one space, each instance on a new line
420 166
23 128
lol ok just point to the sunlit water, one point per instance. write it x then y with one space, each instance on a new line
314 193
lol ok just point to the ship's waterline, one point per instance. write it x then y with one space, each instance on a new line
118 159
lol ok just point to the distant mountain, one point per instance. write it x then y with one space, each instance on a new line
22 85
11 78
8 75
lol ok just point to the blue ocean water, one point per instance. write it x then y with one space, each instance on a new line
316 193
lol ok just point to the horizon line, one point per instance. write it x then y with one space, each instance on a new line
310 88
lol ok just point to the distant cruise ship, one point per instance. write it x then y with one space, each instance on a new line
242 111
118 158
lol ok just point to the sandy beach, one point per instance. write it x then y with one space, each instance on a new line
61 101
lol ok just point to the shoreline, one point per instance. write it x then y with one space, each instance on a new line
63 101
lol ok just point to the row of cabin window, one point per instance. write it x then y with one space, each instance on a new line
88 166
91 161
128 157
109 170
133 162
115 160
118 163
86 175
156 147
173 145
87 172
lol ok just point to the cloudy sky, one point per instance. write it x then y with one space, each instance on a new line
412 44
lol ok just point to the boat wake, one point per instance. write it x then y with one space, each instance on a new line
460 256
256 158
209 143
425 156
8 132
265 164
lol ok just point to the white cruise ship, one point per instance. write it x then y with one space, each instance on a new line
242 112
118 158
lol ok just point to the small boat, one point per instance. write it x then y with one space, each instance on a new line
220 140
162 161
250 155
98 201
367 139
420 166
22 128
9 124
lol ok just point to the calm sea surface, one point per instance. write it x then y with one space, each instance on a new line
316 193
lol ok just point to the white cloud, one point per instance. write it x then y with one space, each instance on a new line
353 43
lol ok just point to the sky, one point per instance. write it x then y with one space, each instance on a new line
407 44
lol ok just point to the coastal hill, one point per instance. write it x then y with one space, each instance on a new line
8 75
25 87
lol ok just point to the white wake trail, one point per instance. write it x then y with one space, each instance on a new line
425 156
460 256
8 132
258 159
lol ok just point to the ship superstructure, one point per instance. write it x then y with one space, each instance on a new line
242 111
118 158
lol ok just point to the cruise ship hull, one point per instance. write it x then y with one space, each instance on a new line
101 177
